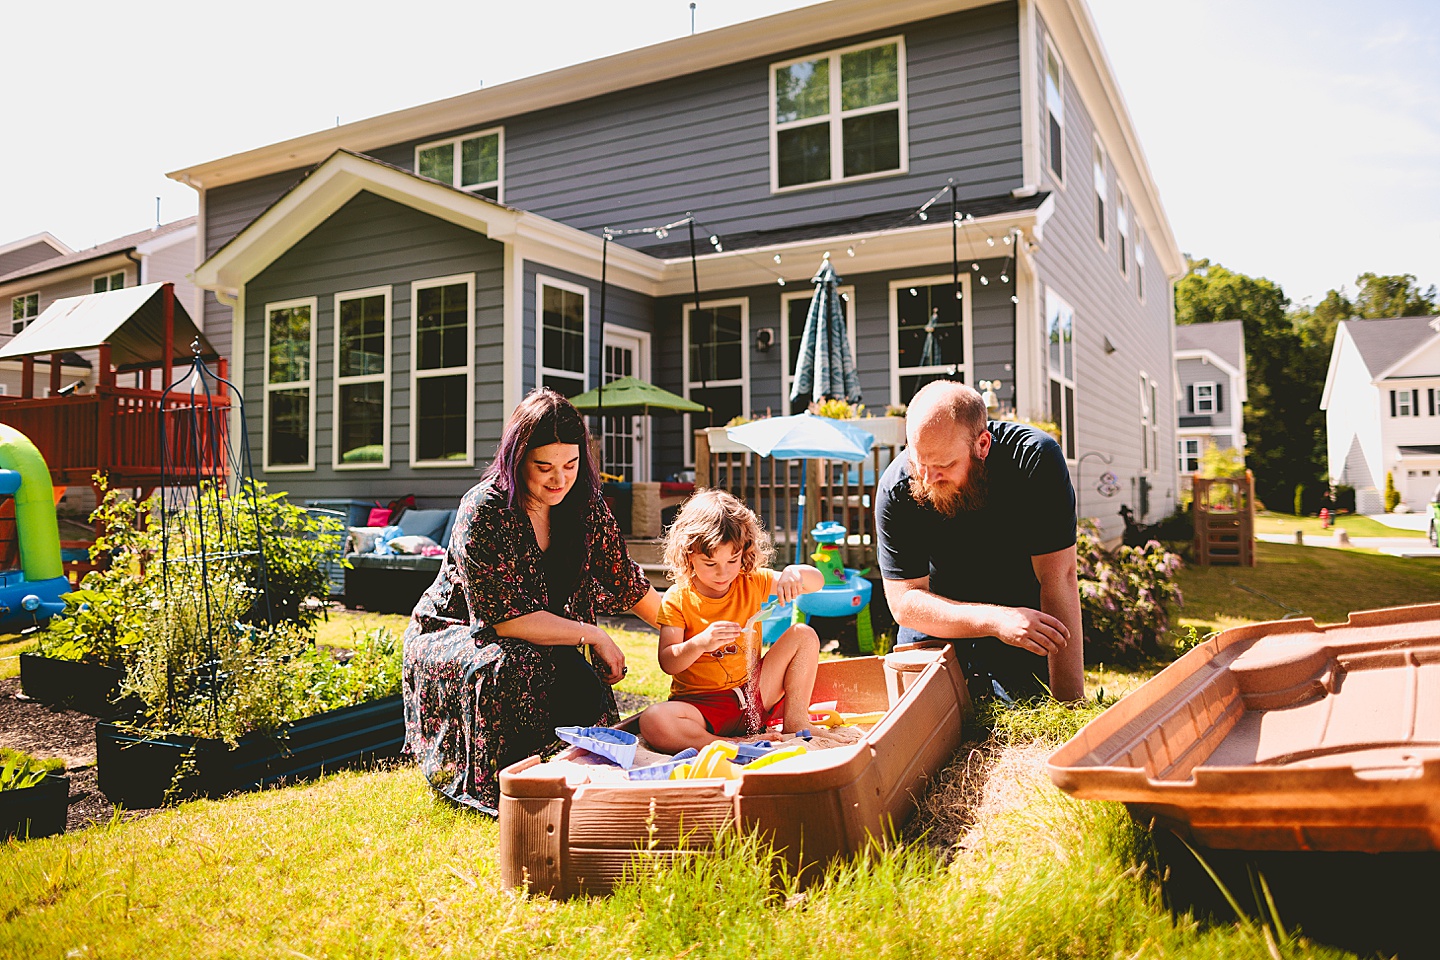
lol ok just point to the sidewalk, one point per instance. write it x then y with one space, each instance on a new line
1394 546
1403 521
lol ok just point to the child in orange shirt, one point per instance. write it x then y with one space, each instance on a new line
717 553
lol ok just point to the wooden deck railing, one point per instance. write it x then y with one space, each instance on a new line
834 490
117 431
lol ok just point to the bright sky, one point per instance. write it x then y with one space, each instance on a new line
1292 139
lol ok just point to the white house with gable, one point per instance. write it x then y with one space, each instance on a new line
1382 409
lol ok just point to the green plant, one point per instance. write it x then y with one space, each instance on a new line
19 770
1216 462
1392 496
1044 426
1299 499
1123 594
895 409
1344 496
838 408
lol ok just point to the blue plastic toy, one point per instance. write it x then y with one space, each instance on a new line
661 770
615 745
30 595
848 599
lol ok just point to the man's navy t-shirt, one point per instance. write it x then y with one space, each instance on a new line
982 556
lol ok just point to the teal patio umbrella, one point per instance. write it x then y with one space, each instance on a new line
801 437
825 368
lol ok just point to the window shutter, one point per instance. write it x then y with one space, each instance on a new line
1392 403
1190 398
1414 403
1219 396
1432 401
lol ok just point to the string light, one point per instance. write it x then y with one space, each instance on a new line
780 281
984 280
661 233
990 241
975 267
777 258
850 251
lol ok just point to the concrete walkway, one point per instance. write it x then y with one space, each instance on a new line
1394 546
1403 521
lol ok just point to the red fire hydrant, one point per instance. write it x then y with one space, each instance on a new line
1325 517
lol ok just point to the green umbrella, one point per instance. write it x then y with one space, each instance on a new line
629 396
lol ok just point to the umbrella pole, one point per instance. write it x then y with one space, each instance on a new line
600 396
800 520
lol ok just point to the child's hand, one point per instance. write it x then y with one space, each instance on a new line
789 585
717 636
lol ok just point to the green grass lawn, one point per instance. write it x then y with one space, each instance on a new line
10 649
1356 525
1310 581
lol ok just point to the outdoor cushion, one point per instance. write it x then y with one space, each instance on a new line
362 539
412 543
426 523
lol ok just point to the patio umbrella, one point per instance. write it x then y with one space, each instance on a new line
825 367
633 397
801 437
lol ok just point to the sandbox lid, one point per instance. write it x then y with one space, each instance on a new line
1281 736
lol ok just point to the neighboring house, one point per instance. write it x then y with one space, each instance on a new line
29 283
1382 409
390 289
1210 387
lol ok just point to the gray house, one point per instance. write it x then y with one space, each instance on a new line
1210 387
390 288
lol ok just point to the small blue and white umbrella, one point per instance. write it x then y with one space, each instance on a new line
825 368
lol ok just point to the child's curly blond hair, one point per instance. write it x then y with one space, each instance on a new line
707 520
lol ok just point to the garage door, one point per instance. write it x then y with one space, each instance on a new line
1419 484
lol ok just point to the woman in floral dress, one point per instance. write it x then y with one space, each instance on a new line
495 654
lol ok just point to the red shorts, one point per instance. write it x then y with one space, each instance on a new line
724 713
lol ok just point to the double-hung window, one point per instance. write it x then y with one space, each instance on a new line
563 335
717 365
1060 334
362 380
1204 398
839 115
442 375
1102 193
111 281
930 333
1404 403
1189 455
1140 264
794 308
1149 423
290 385
1055 111
474 162
1122 231
23 309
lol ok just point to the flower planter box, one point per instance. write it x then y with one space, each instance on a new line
87 687
136 772
37 811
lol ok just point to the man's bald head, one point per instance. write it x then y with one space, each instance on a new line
945 403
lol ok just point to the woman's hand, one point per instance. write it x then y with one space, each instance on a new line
611 658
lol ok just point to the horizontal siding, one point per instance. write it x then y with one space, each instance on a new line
26 256
372 242
175 263
701 143
1107 305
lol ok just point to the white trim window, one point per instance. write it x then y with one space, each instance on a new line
1140 263
1122 231
361 428
473 162
1205 397
716 362
289 425
839 116
1189 455
562 335
1060 361
1404 403
442 372
1149 423
1102 192
108 282
1054 111
930 334
23 311
794 307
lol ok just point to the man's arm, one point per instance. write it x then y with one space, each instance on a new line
1060 598
914 605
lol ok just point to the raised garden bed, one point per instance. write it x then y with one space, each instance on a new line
87 687
138 772
37 811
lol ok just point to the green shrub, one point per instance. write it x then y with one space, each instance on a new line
1299 499
1123 594
1217 462
1392 496
1344 497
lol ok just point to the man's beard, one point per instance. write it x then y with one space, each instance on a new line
950 499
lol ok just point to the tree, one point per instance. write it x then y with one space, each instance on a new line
1392 296
1282 415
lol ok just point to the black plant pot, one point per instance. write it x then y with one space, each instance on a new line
136 772
37 811
86 687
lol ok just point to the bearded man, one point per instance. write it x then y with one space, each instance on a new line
976 524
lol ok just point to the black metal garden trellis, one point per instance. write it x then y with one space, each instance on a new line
215 584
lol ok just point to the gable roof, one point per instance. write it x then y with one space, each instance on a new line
1384 343
18 254
130 241
1225 339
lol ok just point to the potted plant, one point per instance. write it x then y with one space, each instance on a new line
34 796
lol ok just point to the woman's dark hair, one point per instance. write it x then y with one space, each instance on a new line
543 417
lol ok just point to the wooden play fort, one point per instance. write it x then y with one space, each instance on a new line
1225 520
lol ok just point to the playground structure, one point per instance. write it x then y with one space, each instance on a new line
32 576
1225 520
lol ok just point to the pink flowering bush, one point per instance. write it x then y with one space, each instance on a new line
1123 595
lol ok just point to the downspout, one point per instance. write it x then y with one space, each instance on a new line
139 266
